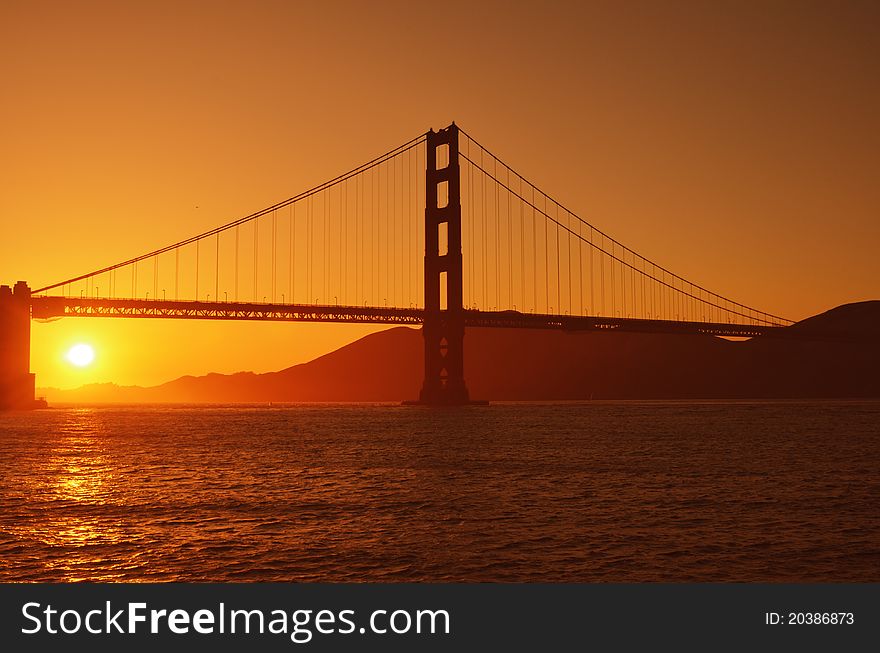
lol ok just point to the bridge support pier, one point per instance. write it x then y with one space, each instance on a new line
16 380
443 329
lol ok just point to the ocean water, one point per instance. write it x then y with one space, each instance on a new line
599 491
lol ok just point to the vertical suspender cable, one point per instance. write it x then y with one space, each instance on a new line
291 259
509 245
256 257
236 263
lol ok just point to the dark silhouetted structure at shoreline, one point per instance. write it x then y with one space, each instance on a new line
16 380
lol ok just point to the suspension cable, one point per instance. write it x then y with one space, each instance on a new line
415 142
614 242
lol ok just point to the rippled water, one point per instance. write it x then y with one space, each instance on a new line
566 492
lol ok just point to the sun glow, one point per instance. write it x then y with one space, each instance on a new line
81 355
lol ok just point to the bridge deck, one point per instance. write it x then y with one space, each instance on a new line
54 307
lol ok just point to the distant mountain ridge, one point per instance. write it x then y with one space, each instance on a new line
524 364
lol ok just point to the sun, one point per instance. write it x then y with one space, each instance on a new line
81 355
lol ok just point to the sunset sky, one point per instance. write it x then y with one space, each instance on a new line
734 142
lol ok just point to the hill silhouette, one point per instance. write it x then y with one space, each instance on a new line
840 358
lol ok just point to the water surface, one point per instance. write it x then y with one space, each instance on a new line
625 491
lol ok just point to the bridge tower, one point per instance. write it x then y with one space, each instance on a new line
16 380
443 329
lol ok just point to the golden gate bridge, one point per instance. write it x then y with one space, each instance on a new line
438 232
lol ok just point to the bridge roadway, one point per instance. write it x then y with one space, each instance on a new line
44 307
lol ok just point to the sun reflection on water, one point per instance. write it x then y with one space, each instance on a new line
77 478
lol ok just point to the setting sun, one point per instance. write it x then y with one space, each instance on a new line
81 355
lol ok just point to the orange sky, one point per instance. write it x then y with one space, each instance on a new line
737 145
